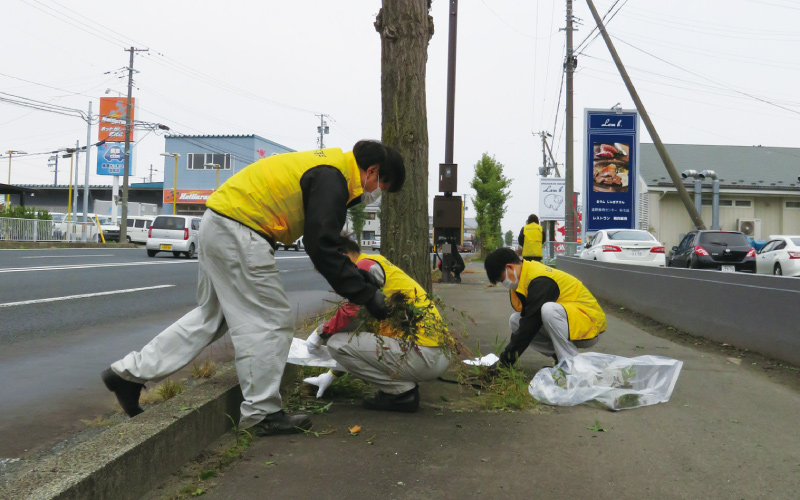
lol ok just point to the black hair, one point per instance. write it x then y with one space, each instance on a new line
392 169
533 218
497 261
345 244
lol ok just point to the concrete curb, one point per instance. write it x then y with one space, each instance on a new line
130 459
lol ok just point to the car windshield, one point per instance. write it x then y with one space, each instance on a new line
169 223
105 221
58 217
630 236
724 239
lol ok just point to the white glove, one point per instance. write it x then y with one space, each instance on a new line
314 342
323 382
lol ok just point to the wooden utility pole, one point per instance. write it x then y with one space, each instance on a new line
651 129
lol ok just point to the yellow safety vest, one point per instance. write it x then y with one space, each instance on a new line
532 247
430 333
586 317
266 196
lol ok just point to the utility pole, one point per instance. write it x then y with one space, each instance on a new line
651 129
322 130
123 225
569 170
151 172
88 157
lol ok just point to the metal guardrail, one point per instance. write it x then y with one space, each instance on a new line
553 249
46 230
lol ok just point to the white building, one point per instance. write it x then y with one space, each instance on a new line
759 189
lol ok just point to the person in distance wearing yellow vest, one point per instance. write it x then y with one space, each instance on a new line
553 310
239 290
530 238
398 371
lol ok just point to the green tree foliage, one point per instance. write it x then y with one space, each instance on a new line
509 238
491 187
358 217
20 212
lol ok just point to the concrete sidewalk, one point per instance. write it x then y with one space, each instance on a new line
727 433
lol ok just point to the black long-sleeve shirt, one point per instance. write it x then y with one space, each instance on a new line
540 291
521 237
325 196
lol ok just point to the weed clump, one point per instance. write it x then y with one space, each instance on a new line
205 370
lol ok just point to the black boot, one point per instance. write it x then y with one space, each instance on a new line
127 392
406 402
281 423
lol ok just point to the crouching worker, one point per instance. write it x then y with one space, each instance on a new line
393 360
555 314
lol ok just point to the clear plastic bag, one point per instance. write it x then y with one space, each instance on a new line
300 355
608 381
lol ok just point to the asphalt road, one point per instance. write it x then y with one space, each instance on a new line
66 314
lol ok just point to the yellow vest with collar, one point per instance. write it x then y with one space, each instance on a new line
586 317
266 196
432 326
532 246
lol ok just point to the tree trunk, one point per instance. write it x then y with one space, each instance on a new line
405 29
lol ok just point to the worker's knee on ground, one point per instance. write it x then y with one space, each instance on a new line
513 322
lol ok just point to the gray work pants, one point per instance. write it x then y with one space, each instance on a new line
553 338
238 291
395 372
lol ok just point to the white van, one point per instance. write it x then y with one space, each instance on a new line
138 226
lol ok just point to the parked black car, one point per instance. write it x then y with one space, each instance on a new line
728 251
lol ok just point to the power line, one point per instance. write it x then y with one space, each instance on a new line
765 101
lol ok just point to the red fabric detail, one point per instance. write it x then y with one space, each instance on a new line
345 315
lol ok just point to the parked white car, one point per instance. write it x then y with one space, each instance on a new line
297 245
779 256
624 246
138 228
173 233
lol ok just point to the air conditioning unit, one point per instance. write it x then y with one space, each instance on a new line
750 227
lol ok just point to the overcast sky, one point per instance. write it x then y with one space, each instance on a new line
708 71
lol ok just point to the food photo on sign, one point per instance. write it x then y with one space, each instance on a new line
610 167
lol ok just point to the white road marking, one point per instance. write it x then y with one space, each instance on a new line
90 266
298 257
67 256
82 296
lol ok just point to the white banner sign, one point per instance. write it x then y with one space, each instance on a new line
551 198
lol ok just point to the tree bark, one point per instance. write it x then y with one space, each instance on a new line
406 28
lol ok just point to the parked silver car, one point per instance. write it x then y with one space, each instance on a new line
173 233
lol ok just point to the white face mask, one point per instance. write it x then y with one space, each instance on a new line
508 282
372 196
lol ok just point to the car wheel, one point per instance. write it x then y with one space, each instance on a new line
176 254
690 264
128 239
778 271
190 253
152 253
297 248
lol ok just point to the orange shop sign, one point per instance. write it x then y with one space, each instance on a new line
112 119
196 196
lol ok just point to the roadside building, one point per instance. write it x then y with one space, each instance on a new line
205 162
759 189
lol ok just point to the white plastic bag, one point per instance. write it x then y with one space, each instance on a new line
299 355
611 382
487 360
